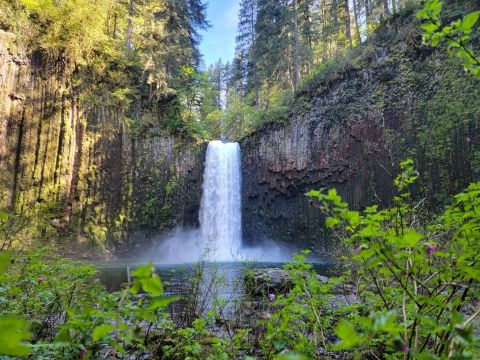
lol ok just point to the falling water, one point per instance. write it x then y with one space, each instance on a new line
220 235
220 209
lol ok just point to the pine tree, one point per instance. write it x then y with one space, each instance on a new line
168 41
296 44
183 20
348 31
273 44
237 75
217 76
306 26
246 46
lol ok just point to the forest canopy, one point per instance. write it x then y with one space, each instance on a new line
145 54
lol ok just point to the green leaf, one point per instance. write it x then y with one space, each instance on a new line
313 193
101 331
13 332
143 271
63 336
437 38
469 21
146 315
161 302
386 322
346 332
331 222
152 286
429 27
410 239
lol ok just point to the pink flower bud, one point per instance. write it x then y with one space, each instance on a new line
41 280
266 315
83 352
271 297
431 249
358 249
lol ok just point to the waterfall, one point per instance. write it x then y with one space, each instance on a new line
220 235
220 208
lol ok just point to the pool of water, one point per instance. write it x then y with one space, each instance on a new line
177 277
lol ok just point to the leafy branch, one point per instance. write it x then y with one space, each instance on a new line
457 35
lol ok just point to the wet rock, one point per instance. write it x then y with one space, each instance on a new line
262 282
266 281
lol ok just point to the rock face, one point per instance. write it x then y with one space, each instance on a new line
88 173
81 164
390 101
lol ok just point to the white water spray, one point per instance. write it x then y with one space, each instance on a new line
220 235
220 209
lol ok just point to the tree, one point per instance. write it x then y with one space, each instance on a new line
246 46
296 41
273 44
167 42
216 74
348 32
182 21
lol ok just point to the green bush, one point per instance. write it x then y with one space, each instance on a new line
418 282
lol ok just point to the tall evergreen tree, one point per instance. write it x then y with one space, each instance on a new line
246 45
169 39
306 28
183 20
217 76
348 30
273 44
237 75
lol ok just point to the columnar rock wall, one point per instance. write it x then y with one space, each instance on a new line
80 164
391 100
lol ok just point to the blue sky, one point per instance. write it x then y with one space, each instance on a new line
219 40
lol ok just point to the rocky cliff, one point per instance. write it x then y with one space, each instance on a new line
79 166
81 169
391 99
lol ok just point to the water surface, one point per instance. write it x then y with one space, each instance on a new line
176 277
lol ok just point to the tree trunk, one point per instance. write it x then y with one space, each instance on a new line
368 9
114 35
61 140
129 25
18 154
297 46
254 55
357 26
348 31
77 159
387 9
335 13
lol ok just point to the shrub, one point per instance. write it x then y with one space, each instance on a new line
417 283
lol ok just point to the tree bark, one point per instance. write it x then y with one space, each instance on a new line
129 25
357 25
254 54
297 46
335 13
348 31
387 9
18 154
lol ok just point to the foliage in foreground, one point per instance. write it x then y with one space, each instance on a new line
70 313
413 295
417 283
457 36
